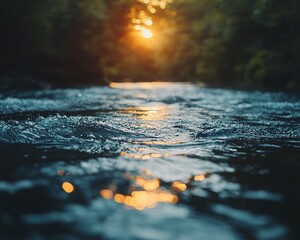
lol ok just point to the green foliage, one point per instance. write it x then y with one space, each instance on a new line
236 43
244 43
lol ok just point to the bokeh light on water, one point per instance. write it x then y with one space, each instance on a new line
148 196
165 160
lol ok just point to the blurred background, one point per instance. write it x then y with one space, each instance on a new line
249 44
133 119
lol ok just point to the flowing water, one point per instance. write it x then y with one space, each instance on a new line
149 161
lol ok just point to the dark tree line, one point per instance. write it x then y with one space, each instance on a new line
243 43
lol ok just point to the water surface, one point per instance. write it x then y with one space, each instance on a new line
149 161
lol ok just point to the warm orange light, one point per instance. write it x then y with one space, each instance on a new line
119 198
140 85
153 115
151 194
179 186
107 193
136 156
148 22
199 177
67 187
156 155
148 185
144 19
140 200
146 33
152 10
142 156
151 185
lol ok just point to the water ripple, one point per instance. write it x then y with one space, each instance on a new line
149 161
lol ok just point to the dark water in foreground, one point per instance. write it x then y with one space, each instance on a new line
160 161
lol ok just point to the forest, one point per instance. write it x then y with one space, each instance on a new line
244 44
149 119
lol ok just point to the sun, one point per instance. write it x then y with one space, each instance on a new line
146 33
142 16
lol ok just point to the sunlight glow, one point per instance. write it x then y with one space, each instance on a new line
140 200
152 117
199 177
68 187
140 85
142 156
143 21
106 194
148 22
147 191
152 10
150 195
148 185
146 33
179 186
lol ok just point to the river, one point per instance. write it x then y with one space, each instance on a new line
149 161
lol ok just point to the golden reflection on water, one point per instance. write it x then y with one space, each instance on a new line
140 200
144 191
157 142
179 186
140 85
67 187
107 194
200 177
144 156
147 192
148 185
149 113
